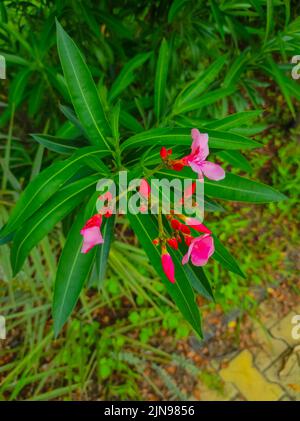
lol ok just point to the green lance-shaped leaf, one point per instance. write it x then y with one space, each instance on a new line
232 187
233 121
126 76
161 79
57 144
182 136
241 189
82 89
225 258
234 73
181 292
236 159
201 83
206 99
41 223
44 185
73 269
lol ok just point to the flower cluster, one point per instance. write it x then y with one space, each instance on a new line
200 248
183 231
196 159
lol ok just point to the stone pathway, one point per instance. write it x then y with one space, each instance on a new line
270 370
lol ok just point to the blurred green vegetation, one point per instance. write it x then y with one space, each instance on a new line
114 335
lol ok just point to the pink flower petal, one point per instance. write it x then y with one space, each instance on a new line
168 267
144 188
196 167
202 250
200 144
212 171
91 237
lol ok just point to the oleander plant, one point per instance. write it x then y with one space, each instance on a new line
159 93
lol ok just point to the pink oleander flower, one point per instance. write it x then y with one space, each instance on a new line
200 250
197 159
91 233
168 266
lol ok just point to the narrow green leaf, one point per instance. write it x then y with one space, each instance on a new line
82 89
225 258
232 187
235 70
218 17
241 189
70 115
234 120
161 79
182 136
209 98
115 121
236 159
56 144
270 20
201 83
126 76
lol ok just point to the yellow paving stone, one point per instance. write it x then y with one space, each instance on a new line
285 328
267 348
249 381
286 371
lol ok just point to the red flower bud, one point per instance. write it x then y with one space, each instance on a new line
175 224
188 240
183 228
173 243
177 166
163 153
155 241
